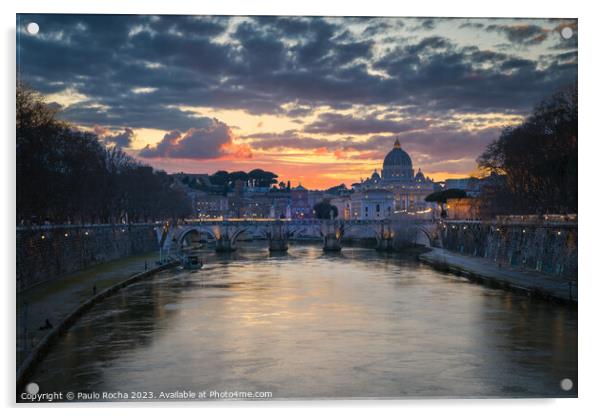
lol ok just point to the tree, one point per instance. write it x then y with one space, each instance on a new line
337 190
238 176
220 178
536 161
441 197
66 175
324 210
262 178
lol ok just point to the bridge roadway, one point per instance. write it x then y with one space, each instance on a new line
279 231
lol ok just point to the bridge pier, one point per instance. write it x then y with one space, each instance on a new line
332 234
384 237
278 245
331 243
384 244
278 237
224 245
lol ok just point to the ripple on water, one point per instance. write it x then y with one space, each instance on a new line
357 324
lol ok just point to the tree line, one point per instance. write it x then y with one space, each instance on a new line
255 178
65 175
535 163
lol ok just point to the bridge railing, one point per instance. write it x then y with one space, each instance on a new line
514 222
48 227
268 221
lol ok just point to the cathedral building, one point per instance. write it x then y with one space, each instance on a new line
405 189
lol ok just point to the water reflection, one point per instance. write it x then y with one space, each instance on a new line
310 325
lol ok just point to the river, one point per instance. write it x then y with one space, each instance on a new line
313 325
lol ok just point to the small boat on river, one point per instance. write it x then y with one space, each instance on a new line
192 262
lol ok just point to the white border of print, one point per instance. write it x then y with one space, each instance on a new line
589 164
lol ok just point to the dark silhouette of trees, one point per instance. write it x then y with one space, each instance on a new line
262 178
441 197
68 176
535 162
238 176
256 177
220 178
324 210
337 190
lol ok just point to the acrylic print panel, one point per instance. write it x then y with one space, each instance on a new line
262 208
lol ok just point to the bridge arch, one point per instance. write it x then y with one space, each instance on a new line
236 234
185 232
428 234
226 233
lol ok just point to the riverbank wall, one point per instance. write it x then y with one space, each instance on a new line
541 246
50 252
27 367
478 269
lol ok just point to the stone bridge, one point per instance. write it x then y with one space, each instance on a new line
279 231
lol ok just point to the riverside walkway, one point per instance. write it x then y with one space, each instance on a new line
54 300
534 283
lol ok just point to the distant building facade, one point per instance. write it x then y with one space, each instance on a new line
396 190
372 204
472 186
407 189
300 203
343 204
463 208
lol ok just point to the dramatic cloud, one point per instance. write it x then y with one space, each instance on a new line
347 124
215 140
123 139
524 34
321 87
142 65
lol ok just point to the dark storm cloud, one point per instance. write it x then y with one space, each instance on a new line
378 27
293 139
268 62
300 111
348 124
522 34
123 139
207 142
133 114
428 24
440 75
441 144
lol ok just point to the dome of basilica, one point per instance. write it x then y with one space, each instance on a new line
397 157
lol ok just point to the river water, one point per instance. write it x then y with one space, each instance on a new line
311 325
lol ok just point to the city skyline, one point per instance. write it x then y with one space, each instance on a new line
316 100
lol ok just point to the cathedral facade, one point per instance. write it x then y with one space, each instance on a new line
407 189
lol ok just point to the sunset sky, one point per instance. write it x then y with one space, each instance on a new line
316 100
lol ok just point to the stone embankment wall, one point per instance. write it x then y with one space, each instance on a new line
49 252
548 247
